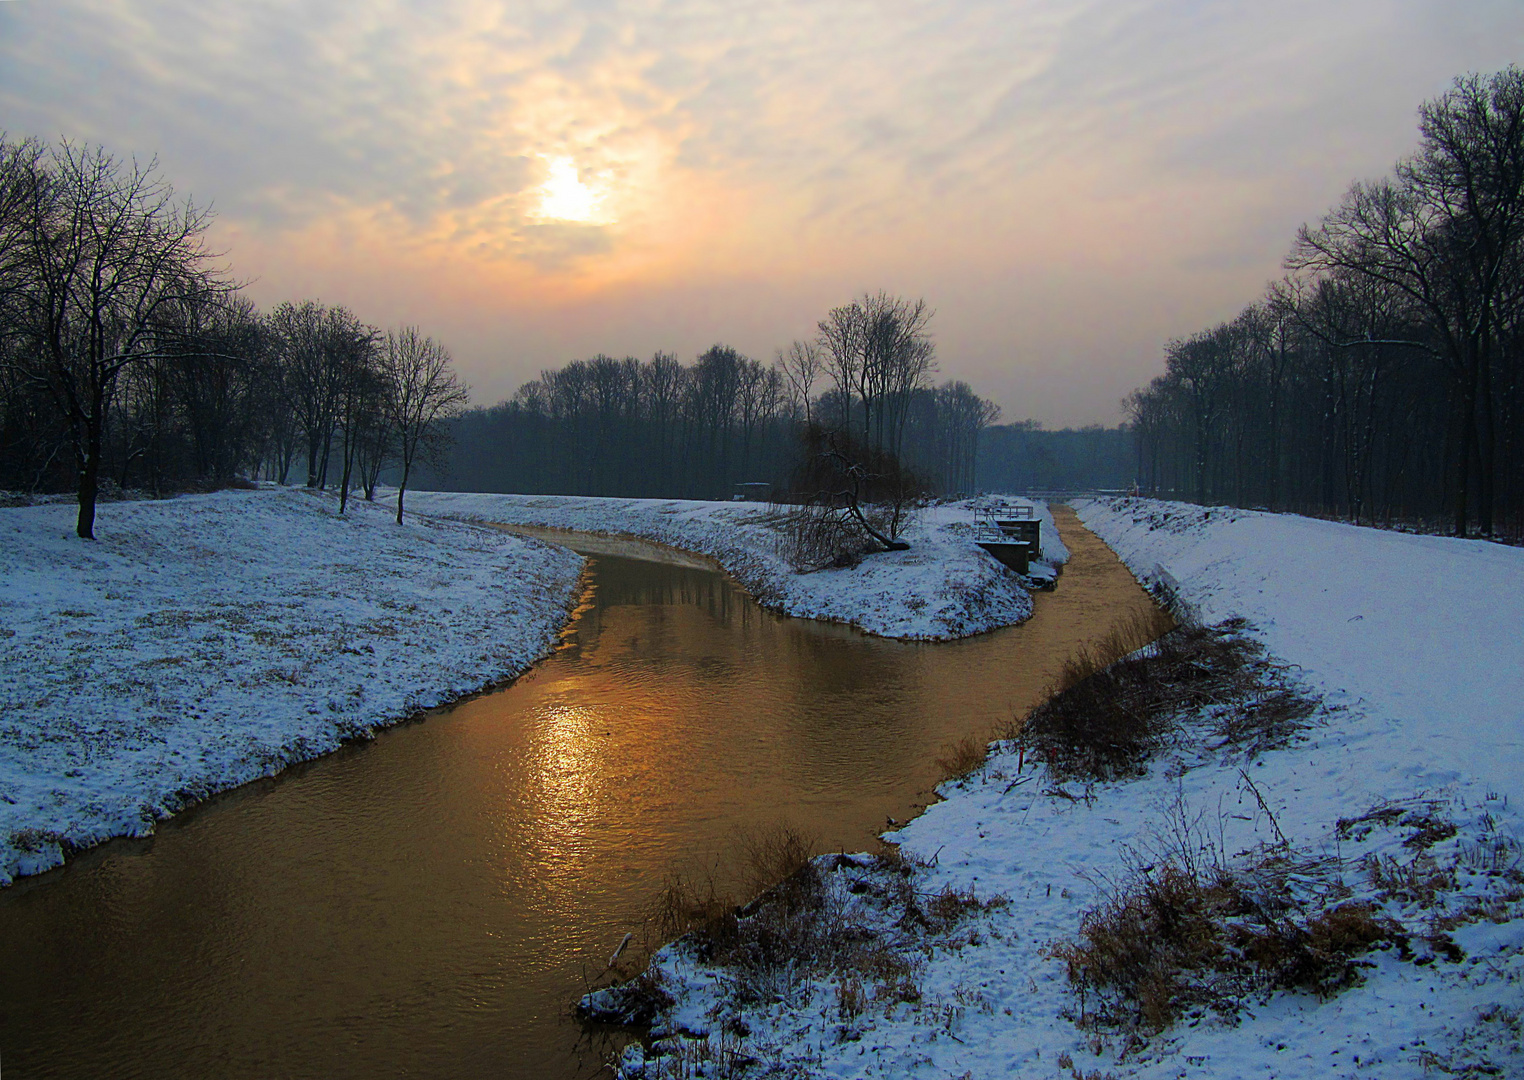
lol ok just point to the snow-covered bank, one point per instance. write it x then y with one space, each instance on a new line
208 640
1403 795
943 587
1426 633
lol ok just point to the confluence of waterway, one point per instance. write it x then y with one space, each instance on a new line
429 904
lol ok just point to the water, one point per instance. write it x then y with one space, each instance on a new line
429 904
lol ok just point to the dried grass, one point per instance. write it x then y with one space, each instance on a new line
1176 938
1423 881
1108 716
963 758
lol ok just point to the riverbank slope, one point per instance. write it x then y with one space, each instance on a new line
944 587
1395 809
208 640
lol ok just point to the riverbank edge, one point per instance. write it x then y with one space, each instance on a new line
638 1013
691 1026
34 849
887 595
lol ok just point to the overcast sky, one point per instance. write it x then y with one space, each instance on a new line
1069 184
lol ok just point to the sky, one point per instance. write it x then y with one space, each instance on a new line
1069 184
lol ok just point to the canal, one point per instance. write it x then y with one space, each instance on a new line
429 904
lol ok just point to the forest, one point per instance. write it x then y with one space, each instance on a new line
1380 379
130 360
660 428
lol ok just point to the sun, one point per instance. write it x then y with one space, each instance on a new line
564 197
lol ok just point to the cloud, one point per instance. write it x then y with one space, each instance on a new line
1153 155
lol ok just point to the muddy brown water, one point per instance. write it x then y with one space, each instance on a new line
428 905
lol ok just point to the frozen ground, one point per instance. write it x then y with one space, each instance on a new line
1415 644
208 640
943 587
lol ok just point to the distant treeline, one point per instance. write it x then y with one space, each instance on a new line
1024 457
128 359
659 428
502 448
1381 379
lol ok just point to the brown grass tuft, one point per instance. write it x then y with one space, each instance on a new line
963 758
1107 717
1421 881
1174 939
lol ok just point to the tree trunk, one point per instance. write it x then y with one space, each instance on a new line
89 484
1463 458
407 465
1486 449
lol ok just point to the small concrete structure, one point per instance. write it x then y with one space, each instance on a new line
1011 534
1011 553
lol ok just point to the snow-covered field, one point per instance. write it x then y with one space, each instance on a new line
208 640
1415 644
943 587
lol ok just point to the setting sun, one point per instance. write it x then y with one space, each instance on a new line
564 197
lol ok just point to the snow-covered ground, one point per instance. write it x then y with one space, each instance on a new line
943 587
208 640
1415 644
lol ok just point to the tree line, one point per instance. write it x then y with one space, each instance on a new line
1380 379
1024 457
661 428
130 359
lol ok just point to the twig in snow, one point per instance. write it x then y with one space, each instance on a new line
1263 805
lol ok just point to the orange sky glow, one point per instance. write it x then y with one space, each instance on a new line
1069 184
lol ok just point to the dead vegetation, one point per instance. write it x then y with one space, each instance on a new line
963 758
1187 930
1178 937
811 924
846 499
854 927
1107 717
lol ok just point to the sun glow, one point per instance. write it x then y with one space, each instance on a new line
564 197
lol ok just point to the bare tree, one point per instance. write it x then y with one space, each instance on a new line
879 353
424 392
802 364
106 249
851 499
317 347
1444 234
363 392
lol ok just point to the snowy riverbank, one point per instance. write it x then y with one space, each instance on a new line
943 587
208 640
1402 799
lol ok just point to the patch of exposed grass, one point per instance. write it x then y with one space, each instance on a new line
1178 937
858 926
1187 930
963 758
1107 716
1422 881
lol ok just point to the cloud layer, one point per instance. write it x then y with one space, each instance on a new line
1069 183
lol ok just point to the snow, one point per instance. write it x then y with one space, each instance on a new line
205 641
944 587
1414 644
1427 632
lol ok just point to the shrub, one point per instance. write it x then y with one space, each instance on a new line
1107 717
845 499
1175 938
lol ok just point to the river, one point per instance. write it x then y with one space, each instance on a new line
429 904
